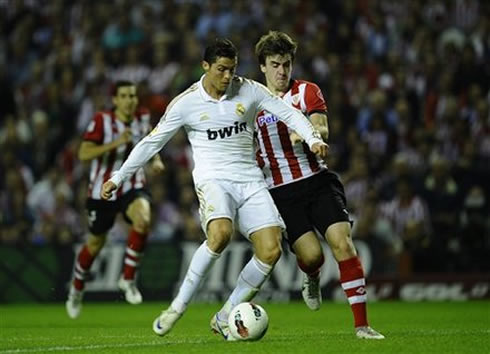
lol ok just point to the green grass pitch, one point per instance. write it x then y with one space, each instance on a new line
456 327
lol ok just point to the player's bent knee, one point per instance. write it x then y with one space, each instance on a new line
95 243
219 242
141 224
139 212
312 259
218 238
269 255
344 248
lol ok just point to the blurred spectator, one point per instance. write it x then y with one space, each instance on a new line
442 193
378 107
356 182
163 70
408 216
470 250
379 142
43 141
8 106
190 227
42 197
122 33
378 234
98 71
465 13
386 183
16 217
93 101
166 217
133 69
213 21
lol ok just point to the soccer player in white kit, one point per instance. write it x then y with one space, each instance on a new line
218 114
308 196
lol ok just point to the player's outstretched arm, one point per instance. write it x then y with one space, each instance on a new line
149 146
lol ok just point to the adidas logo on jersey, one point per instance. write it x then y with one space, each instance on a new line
227 131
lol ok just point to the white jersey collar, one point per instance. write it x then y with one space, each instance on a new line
206 97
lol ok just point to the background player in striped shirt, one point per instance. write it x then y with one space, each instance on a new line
218 113
107 141
306 193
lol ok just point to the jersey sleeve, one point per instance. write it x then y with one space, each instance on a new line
314 101
95 129
146 148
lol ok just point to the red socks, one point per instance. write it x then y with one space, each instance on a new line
353 283
84 262
136 244
134 251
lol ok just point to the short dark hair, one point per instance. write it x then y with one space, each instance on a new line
274 43
121 83
221 47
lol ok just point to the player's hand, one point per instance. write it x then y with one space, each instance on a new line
157 166
126 137
295 138
107 189
320 150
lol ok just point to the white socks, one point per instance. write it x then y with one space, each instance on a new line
251 278
201 262
253 275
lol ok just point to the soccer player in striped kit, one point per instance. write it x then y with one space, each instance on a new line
306 193
107 141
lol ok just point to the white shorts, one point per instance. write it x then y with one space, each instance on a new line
248 205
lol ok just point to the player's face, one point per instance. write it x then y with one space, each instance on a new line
126 100
277 71
220 73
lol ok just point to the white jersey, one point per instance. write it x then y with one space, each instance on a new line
221 132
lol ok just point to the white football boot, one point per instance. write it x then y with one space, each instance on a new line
219 326
131 292
166 321
74 303
367 332
312 294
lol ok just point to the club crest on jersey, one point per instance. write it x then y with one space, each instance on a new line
240 109
267 119
226 132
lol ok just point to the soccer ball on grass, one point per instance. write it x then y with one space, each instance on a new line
248 321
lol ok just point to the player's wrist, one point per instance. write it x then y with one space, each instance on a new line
315 140
116 179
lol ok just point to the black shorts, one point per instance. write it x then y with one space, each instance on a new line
315 202
102 213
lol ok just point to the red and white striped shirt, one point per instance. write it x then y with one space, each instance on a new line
103 129
401 214
281 162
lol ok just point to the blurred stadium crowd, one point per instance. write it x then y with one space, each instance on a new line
406 82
